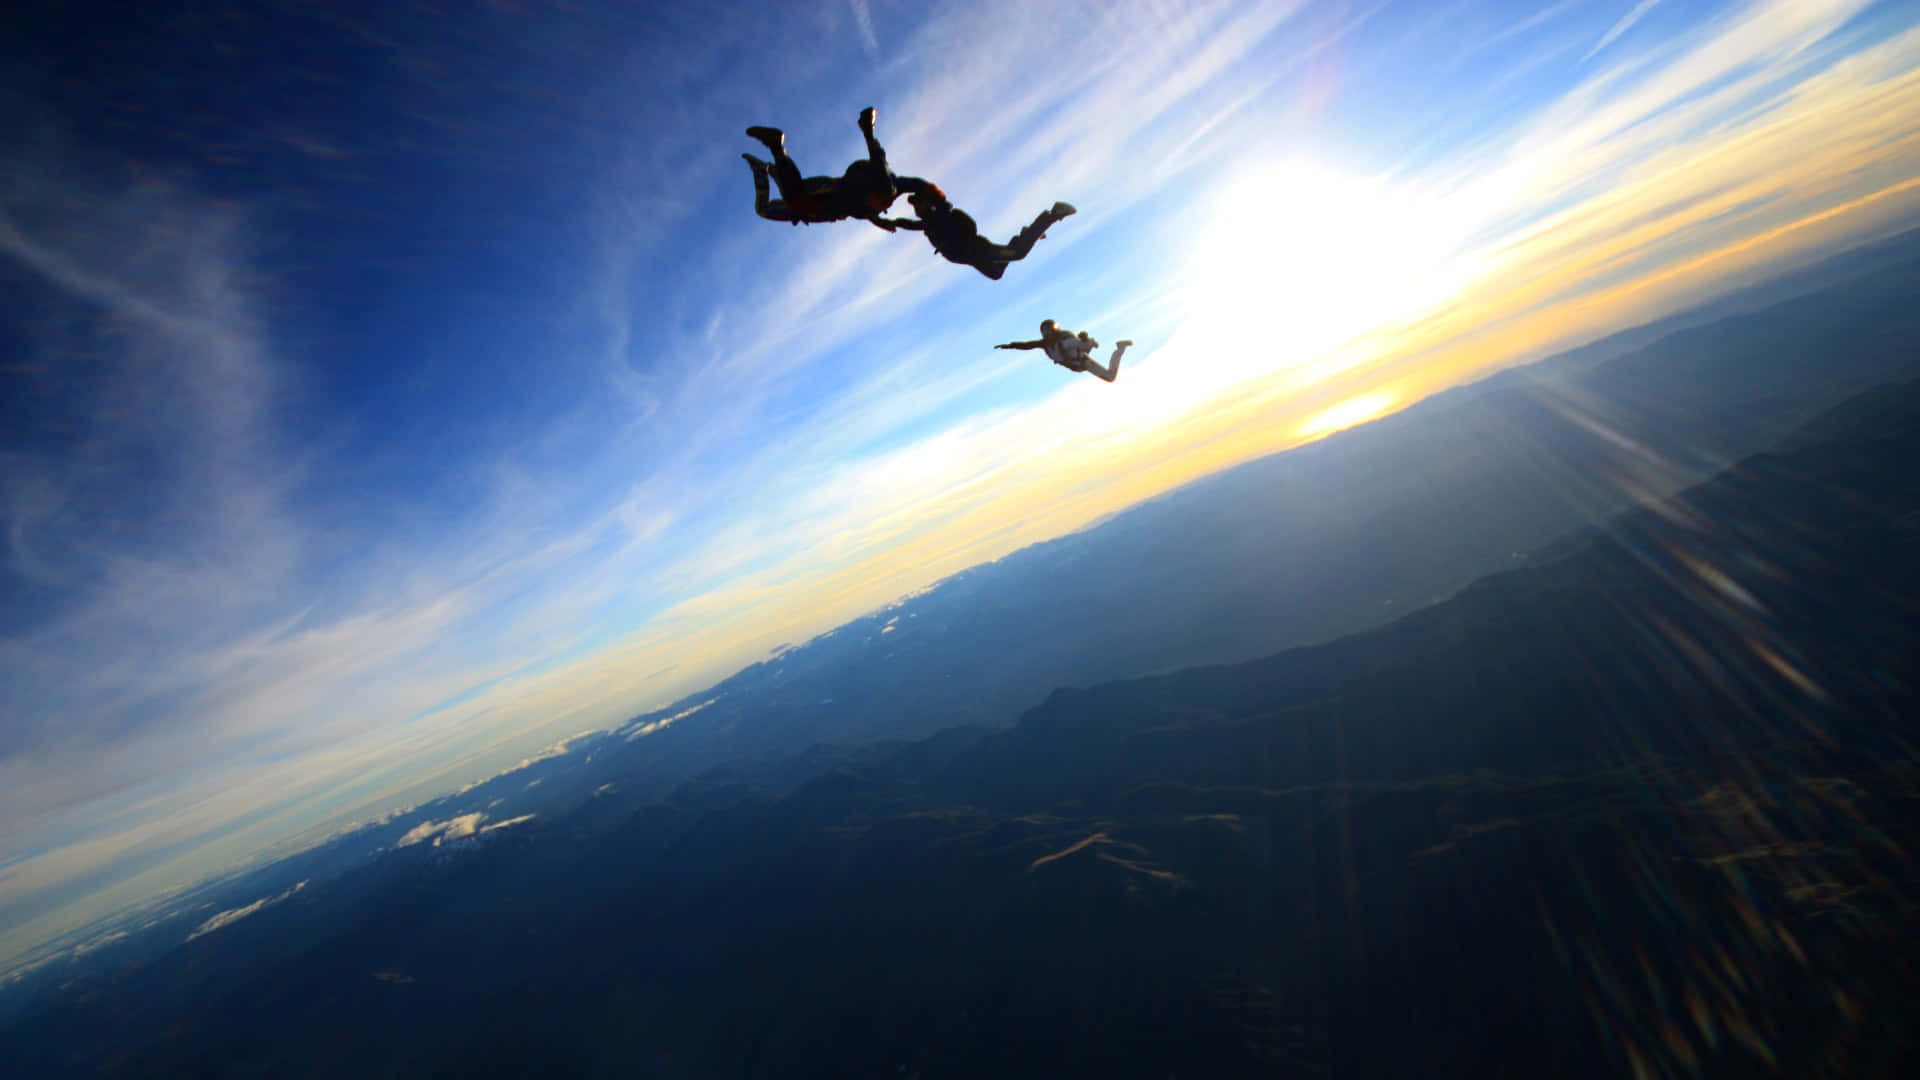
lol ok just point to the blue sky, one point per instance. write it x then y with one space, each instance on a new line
392 389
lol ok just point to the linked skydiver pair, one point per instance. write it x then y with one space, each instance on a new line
868 189
865 191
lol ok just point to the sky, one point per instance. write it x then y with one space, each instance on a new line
391 389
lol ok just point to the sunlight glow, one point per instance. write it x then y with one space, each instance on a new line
1304 258
1352 411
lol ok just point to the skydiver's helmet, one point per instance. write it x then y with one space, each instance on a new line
928 202
1046 327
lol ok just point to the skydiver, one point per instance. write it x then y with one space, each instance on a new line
1072 351
866 190
955 235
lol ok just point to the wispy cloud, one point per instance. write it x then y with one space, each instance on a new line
863 18
1626 23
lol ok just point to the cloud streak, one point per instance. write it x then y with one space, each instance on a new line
1625 24
234 915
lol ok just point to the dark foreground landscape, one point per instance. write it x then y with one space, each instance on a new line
1643 805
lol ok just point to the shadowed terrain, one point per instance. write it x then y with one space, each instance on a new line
1646 805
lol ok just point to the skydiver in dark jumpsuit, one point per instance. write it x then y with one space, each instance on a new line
954 234
865 191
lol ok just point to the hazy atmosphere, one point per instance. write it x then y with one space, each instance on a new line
394 391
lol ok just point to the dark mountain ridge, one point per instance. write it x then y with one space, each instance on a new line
1684 601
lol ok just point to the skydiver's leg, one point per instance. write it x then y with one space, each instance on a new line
987 257
807 202
787 175
785 172
1020 245
1113 366
771 209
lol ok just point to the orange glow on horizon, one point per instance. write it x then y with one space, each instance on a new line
1356 410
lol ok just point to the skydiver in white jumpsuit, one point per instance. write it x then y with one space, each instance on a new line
1072 351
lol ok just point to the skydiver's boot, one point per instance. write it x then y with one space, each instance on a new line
874 152
772 138
1020 245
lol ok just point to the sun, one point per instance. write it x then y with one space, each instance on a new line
1302 258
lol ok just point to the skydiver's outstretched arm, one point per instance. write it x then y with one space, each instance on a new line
1041 344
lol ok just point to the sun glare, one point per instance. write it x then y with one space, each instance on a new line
1346 414
1304 258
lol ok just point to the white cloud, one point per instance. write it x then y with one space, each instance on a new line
459 831
641 728
455 828
100 942
234 915
509 823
